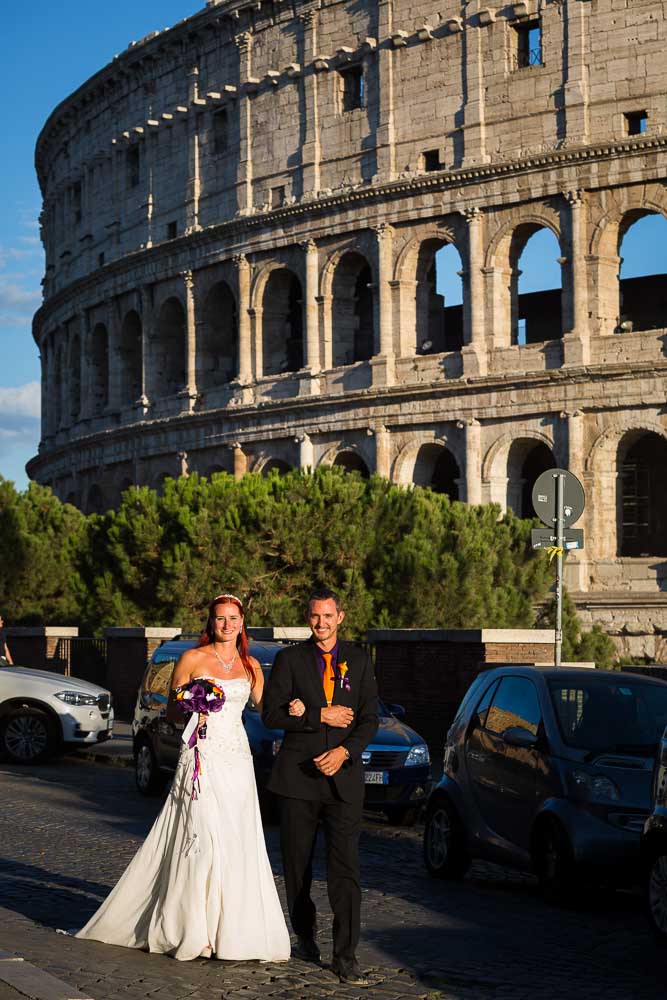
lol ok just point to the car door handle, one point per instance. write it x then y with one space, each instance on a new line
480 757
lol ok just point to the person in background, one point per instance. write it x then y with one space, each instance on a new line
4 648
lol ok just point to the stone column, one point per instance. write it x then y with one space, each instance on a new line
191 336
310 149
194 181
474 353
576 342
311 311
46 385
243 43
385 134
240 461
86 407
576 566
242 266
383 452
576 89
184 467
306 452
474 132
257 342
383 364
473 470
115 358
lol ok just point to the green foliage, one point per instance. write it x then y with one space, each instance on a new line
399 557
592 646
40 543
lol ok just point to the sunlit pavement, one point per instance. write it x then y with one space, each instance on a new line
68 830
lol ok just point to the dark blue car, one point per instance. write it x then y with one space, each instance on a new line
397 766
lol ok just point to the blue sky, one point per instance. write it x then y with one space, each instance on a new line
49 50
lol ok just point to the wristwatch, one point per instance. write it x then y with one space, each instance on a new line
346 752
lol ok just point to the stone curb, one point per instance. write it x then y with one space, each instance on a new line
32 982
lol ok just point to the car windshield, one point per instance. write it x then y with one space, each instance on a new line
616 715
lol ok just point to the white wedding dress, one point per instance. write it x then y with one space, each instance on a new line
201 884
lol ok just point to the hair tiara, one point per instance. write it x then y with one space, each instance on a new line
231 597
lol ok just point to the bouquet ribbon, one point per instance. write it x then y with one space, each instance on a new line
198 697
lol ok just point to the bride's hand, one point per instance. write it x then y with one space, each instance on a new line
297 707
203 718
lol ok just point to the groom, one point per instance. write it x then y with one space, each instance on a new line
323 694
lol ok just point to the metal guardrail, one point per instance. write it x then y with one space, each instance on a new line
84 657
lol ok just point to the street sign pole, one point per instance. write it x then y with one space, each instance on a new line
559 569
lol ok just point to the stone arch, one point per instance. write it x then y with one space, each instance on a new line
502 258
130 358
642 480
527 459
74 371
495 465
168 349
626 208
98 367
282 322
347 456
416 462
604 478
352 309
268 464
217 338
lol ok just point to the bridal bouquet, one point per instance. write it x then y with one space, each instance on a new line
198 697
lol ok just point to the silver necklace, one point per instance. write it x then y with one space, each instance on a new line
225 666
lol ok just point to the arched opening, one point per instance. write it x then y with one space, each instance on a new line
95 503
75 378
527 459
351 462
218 341
353 329
130 358
277 466
643 275
536 285
168 350
58 391
282 323
642 468
99 369
437 469
439 298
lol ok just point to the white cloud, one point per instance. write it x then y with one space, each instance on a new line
20 401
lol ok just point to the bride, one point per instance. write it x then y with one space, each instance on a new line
201 884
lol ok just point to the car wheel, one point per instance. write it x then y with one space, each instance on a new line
656 897
28 736
403 816
554 863
445 855
149 778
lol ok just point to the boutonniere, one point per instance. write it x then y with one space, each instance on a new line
344 679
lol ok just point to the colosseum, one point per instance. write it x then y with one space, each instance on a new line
249 220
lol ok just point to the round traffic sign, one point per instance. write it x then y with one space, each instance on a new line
545 496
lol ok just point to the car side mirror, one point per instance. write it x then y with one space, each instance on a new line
517 736
398 711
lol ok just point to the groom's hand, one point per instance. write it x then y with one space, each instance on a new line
337 716
331 761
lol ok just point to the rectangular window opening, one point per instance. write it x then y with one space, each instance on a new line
76 202
133 167
220 132
100 259
636 122
528 44
431 159
352 88
172 230
278 196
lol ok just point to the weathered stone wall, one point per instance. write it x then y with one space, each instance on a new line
238 256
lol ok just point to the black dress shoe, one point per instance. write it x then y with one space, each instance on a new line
306 949
349 972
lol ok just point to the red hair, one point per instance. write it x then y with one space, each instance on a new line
208 634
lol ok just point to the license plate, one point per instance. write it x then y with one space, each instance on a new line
376 777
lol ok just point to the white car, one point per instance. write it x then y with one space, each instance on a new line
42 714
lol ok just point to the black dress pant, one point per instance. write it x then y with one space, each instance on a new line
298 832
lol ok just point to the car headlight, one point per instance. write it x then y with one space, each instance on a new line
595 787
418 755
77 698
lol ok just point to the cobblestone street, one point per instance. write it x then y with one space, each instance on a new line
69 829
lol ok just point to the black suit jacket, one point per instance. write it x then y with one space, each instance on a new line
295 674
